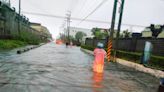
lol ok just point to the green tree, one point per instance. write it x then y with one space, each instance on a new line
79 35
126 34
99 34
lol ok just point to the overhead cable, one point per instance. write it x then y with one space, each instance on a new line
77 19
93 11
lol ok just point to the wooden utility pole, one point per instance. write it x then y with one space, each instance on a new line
68 25
112 31
119 27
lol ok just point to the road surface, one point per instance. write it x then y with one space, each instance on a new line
55 68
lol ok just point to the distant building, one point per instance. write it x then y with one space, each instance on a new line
147 33
74 30
45 32
161 35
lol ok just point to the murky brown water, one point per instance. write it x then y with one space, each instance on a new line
55 68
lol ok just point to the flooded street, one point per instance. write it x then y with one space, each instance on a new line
55 68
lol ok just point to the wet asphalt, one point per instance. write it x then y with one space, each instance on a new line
55 68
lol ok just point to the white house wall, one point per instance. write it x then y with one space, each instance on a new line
74 30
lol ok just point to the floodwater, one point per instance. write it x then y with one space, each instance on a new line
55 68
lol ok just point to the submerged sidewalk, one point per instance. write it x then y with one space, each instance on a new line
139 67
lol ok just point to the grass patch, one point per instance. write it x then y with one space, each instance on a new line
10 44
88 47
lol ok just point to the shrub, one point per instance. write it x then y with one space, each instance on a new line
157 61
131 56
88 47
9 44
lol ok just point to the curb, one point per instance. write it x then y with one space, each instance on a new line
139 67
29 48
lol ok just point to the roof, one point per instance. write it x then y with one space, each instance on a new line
35 24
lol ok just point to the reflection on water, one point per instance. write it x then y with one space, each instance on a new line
97 81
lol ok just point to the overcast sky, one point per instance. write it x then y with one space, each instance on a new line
136 12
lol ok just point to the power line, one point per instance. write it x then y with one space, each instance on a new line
36 6
93 11
77 19
88 6
45 15
82 7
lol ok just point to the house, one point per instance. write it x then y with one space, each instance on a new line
74 30
147 33
161 35
41 29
